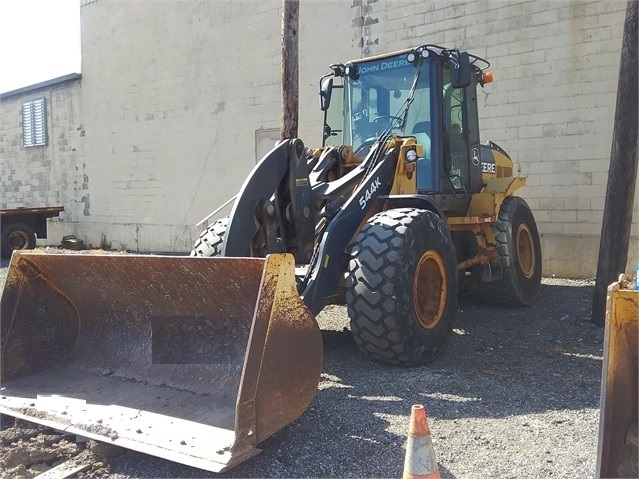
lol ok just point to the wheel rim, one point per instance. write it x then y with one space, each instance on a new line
17 240
525 251
429 289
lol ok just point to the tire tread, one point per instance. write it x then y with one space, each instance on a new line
372 280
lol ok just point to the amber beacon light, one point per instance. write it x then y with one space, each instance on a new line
487 77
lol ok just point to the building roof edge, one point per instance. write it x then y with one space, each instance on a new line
38 86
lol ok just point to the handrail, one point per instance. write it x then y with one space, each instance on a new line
205 220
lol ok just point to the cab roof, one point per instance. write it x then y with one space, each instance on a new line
435 49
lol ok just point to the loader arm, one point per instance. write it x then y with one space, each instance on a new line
275 210
324 273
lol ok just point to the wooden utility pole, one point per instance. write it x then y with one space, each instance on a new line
622 174
290 88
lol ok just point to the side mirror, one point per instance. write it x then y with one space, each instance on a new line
460 71
326 87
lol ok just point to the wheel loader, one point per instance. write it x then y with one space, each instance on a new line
199 359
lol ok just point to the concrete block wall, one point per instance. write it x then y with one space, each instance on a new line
49 175
178 97
551 106
173 95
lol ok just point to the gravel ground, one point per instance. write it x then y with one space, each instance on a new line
514 395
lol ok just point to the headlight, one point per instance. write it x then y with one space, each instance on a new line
411 155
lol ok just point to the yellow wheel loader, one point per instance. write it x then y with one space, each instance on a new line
198 359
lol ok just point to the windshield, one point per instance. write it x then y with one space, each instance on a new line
377 98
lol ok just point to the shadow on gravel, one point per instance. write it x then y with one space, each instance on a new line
498 363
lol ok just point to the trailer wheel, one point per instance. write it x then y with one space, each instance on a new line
519 257
17 236
211 239
401 288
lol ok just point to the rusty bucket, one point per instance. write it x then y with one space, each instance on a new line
196 360
617 448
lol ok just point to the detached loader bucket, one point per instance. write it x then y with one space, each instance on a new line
617 450
195 360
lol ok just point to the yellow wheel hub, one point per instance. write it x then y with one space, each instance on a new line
429 289
525 251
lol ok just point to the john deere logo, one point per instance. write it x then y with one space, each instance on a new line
384 65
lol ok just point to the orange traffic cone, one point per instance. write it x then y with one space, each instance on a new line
420 460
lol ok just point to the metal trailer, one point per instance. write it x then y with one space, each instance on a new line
19 227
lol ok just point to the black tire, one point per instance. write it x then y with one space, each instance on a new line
401 288
211 240
16 236
519 251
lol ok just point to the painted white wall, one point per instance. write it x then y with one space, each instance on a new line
174 93
179 97
551 106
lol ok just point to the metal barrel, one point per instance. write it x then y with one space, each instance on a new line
195 360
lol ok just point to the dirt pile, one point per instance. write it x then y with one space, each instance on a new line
28 450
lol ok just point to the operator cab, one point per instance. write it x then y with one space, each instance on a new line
429 93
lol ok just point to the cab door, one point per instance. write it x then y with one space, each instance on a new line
461 168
